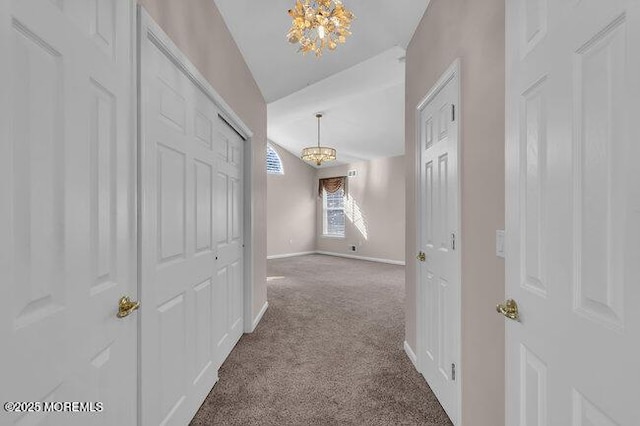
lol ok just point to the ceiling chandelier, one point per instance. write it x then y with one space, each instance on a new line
318 154
319 24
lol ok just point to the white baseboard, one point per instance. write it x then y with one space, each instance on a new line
284 256
370 259
411 354
258 317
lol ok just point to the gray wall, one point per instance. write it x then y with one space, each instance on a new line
473 31
291 207
376 219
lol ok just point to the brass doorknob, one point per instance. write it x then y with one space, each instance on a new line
509 309
126 306
422 257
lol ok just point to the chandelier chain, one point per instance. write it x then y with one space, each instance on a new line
319 117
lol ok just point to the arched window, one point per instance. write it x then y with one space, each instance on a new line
274 163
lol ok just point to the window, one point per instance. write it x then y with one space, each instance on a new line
274 163
333 213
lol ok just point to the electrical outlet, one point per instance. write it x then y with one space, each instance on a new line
353 248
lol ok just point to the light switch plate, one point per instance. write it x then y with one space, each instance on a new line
500 243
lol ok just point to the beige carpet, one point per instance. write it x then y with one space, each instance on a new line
329 351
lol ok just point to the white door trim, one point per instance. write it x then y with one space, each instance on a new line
452 73
148 28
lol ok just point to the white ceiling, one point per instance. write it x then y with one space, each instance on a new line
259 29
363 109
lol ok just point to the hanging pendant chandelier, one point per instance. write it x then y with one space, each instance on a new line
319 24
318 154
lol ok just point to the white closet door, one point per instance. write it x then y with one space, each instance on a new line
228 291
573 212
67 208
191 282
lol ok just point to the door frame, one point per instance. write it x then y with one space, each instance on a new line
452 73
147 28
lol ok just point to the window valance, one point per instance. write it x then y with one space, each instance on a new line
331 185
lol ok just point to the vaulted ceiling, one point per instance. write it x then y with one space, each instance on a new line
359 86
363 109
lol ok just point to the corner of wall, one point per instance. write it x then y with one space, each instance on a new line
291 207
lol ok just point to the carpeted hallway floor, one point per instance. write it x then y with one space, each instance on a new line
327 352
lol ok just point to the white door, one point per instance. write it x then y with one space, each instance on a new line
190 200
67 209
573 212
439 293
228 208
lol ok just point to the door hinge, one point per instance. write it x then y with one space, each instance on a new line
453 372
453 112
453 241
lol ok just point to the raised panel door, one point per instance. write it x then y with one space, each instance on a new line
573 212
439 311
67 209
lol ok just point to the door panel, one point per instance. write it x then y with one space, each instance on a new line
439 309
534 398
172 204
573 212
599 209
204 205
203 329
534 177
69 209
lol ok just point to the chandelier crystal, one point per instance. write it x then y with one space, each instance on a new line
319 24
318 154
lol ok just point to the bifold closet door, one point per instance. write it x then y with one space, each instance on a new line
229 244
191 234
